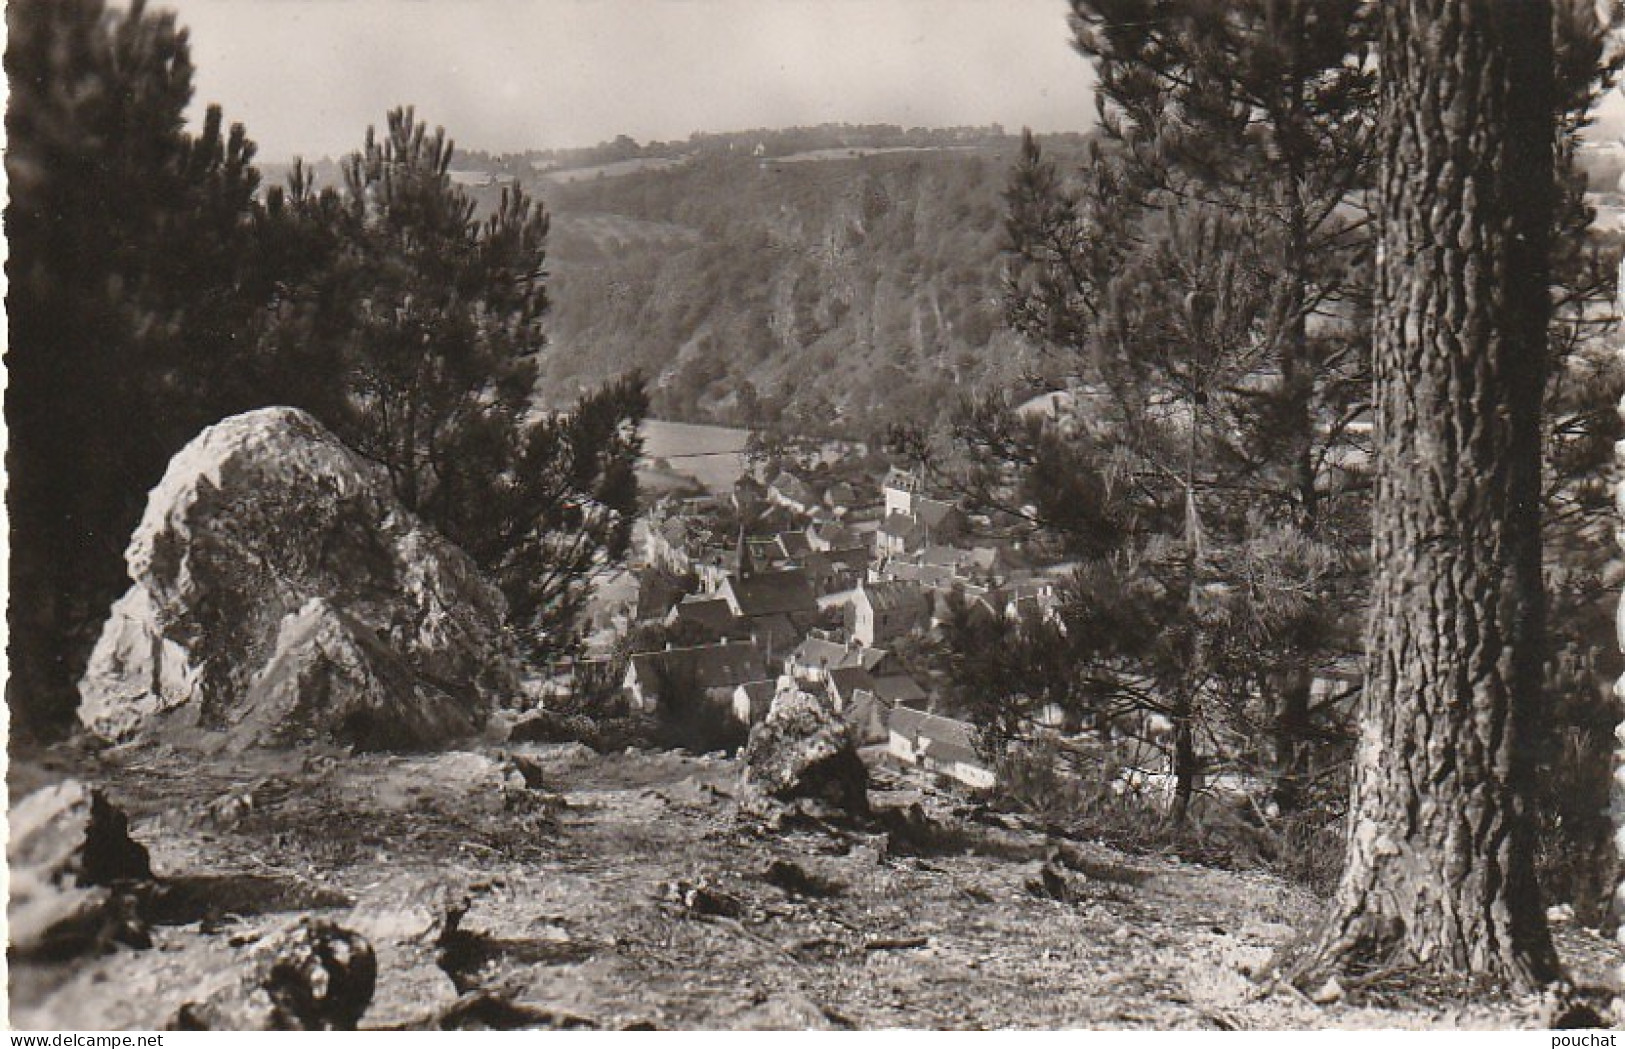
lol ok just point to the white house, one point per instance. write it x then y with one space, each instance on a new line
940 744
752 699
899 490
884 611
713 671
812 660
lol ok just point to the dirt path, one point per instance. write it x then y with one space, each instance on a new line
587 897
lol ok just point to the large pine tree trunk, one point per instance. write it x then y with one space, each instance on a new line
1616 795
1440 867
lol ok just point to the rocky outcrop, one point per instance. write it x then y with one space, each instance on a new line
283 595
69 852
551 726
310 976
803 749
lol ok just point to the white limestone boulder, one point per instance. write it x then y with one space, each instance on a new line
282 595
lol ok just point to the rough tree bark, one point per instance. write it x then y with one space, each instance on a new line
1440 869
1617 794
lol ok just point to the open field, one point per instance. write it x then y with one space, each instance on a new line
713 455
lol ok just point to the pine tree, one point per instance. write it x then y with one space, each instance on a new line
126 237
1440 864
151 295
436 325
1159 313
1263 108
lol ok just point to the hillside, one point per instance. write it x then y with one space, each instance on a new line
835 279
625 891
830 287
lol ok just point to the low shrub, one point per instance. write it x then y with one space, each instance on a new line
1309 850
1088 803
1575 858
697 725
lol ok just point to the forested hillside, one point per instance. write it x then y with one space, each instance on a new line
825 289
821 278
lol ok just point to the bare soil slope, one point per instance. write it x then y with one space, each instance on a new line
534 885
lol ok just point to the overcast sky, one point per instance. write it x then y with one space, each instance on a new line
308 76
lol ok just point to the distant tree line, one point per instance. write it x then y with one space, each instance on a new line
772 142
154 289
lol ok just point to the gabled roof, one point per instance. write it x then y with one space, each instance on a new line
674 530
774 631
793 544
869 658
773 519
854 556
844 681
946 738
711 666
932 512
898 688
766 593
900 524
841 493
977 600
815 651
863 709
840 567
793 488
712 613
834 535
895 596
989 557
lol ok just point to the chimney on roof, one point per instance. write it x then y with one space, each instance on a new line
668 646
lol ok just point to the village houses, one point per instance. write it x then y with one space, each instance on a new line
887 555
883 612
711 671
753 699
812 660
938 744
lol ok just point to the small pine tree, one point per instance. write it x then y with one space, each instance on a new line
1263 109
435 333
1161 475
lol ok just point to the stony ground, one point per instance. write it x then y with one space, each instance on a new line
540 885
